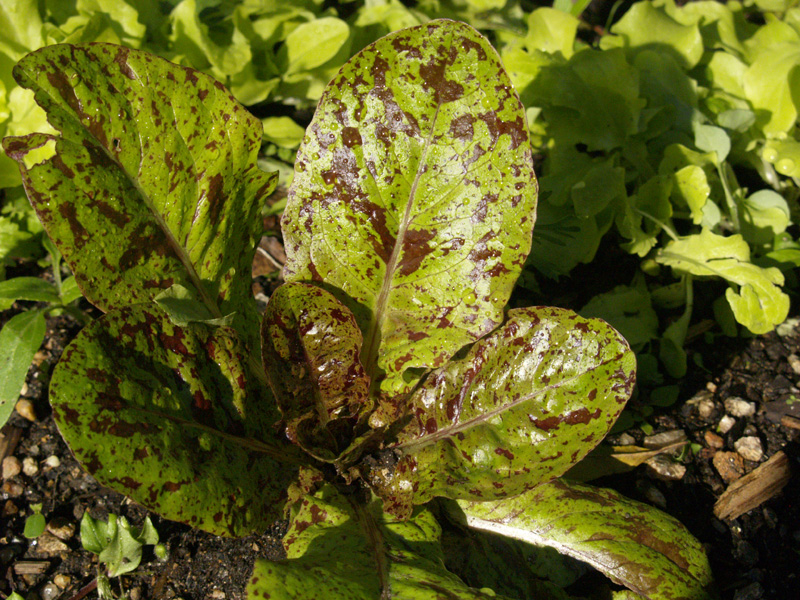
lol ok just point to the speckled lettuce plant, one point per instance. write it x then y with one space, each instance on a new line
387 394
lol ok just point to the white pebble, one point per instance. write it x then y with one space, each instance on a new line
11 467
52 461
29 466
725 424
794 362
666 468
749 447
737 407
705 408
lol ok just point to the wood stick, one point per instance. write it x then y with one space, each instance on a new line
755 488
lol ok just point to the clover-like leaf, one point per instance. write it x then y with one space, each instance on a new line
172 417
414 193
633 544
524 405
153 180
340 549
310 347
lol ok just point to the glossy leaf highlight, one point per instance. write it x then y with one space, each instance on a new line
310 347
414 194
171 417
524 405
635 545
153 180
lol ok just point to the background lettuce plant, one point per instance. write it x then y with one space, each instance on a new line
386 391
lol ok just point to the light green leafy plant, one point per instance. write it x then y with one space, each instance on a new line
386 390
118 546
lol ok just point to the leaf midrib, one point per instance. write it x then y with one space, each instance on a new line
179 251
448 432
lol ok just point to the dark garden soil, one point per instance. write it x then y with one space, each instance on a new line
756 555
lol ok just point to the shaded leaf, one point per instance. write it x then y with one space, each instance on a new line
520 408
26 288
609 460
154 178
172 417
633 544
414 194
20 338
310 348
340 549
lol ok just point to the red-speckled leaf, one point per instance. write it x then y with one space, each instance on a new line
525 404
340 549
154 178
414 193
634 544
310 347
171 417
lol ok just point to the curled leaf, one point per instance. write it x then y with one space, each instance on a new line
311 346
633 544
414 194
524 405
172 417
153 180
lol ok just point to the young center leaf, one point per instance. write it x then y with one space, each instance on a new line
311 346
633 544
414 194
171 417
524 405
340 548
153 180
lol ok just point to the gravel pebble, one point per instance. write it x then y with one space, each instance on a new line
29 466
729 465
50 592
725 424
666 468
794 362
754 591
49 545
705 408
626 439
713 440
11 467
749 447
12 488
61 528
737 407
52 461
25 409
665 438
63 581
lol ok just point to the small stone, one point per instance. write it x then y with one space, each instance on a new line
749 447
218 595
729 465
754 591
652 494
666 468
726 423
61 528
25 409
713 440
787 327
52 461
665 438
13 489
794 362
135 593
737 407
39 357
626 439
11 467
711 387
49 545
10 509
29 466
63 581
50 592
24 390
705 408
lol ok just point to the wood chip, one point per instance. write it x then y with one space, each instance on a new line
31 567
9 438
755 488
790 422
